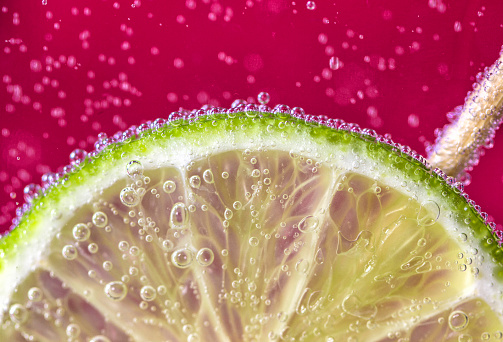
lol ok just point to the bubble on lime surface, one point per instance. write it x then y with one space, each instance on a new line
134 169
195 181
99 338
208 176
18 313
178 216
148 293
81 232
429 212
116 290
458 320
93 248
35 294
107 265
129 197
100 219
205 256
69 252
182 258
73 330
169 186
309 224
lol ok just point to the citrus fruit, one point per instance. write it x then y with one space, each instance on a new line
249 225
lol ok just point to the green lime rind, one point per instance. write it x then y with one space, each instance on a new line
251 125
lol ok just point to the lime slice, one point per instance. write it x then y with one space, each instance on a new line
251 226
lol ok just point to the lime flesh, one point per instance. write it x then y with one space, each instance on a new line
251 227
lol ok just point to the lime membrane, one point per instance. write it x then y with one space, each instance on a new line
249 225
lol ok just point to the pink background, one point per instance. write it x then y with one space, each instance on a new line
72 69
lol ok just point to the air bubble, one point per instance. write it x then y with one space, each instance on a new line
18 313
354 306
99 338
319 257
237 205
178 216
193 338
421 242
228 214
208 176
253 241
205 257
100 219
107 265
134 251
148 293
123 246
458 320
182 258
195 182
133 271
162 290
428 214
308 224
255 173
69 252
169 186
334 63
311 5
413 262
129 197
465 338
116 290
77 156
72 331
263 98
134 169
35 294
225 175
302 266
168 245
252 287
92 248
81 232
